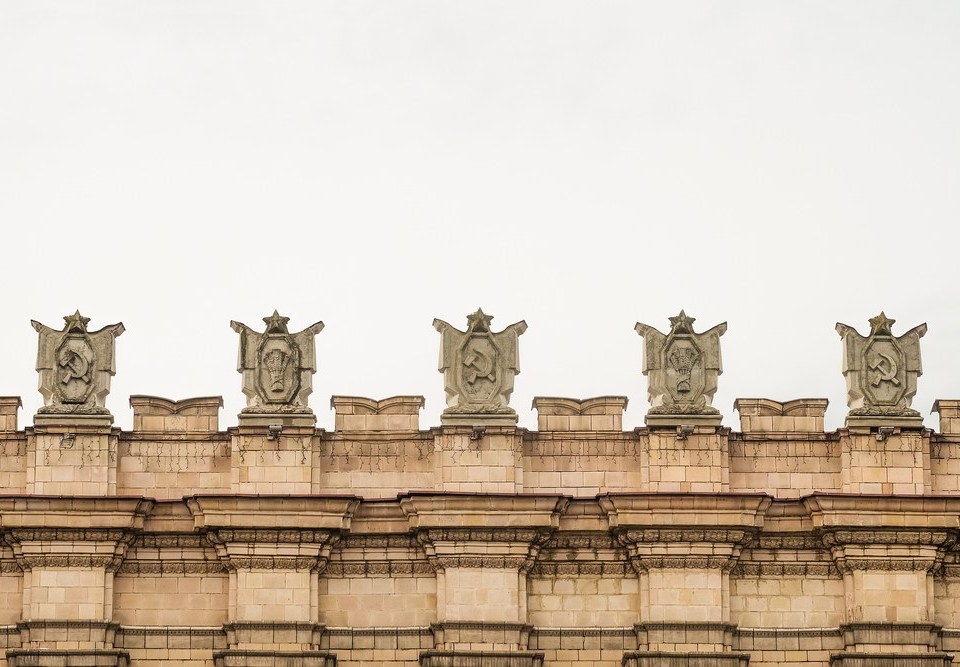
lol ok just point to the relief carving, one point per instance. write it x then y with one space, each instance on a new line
881 370
75 366
277 367
479 366
682 367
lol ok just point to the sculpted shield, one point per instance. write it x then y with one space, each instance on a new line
478 367
881 371
278 361
277 366
682 367
75 366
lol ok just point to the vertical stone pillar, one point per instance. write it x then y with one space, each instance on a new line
684 448
69 550
482 547
683 548
887 550
272 449
478 459
885 448
275 549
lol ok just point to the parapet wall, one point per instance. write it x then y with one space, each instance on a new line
377 450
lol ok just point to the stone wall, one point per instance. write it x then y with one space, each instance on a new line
379 543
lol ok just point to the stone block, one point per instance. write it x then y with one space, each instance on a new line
766 415
602 413
397 413
190 415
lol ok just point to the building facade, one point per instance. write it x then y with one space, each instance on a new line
477 543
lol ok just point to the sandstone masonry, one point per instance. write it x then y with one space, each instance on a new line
475 543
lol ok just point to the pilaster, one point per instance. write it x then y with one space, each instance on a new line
683 548
887 549
275 549
482 547
68 550
478 459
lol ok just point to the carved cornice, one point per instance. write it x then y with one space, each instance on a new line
801 569
584 541
9 566
321 537
171 541
492 562
797 541
30 561
735 536
682 563
276 563
113 535
136 567
578 568
886 565
379 568
368 541
936 538
531 536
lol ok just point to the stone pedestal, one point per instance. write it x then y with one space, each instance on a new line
896 461
676 459
273 453
478 459
72 455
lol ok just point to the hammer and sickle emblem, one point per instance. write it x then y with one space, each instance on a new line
73 365
478 365
886 369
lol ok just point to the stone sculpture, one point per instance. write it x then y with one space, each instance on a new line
75 366
881 371
682 369
478 369
277 367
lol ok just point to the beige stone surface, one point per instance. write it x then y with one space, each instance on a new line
378 542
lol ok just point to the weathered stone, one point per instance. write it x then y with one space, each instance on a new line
75 366
682 367
478 369
277 366
881 371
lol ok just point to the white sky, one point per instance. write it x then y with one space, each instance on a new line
580 165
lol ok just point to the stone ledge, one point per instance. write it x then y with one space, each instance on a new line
242 658
480 659
665 659
803 415
891 660
78 658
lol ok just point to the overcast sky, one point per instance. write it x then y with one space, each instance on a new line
580 165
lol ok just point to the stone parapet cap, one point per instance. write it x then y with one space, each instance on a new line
766 407
272 512
661 510
396 413
896 512
9 407
74 513
154 413
452 510
949 411
802 415
601 413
